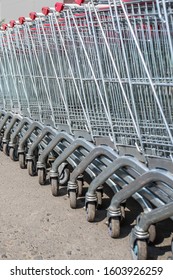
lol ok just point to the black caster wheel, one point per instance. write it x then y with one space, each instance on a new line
6 149
42 176
73 199
54 186
114 227
31 168
64 177
139 251
13 154
91 211
22 162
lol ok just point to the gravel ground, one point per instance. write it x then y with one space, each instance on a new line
36 225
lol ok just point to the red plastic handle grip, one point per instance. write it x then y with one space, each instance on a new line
33 15
79 2
45 10
12 23
21 20
4 26
59 7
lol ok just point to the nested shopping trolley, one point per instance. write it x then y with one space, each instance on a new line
91 84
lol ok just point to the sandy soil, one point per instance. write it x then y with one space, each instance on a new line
36 225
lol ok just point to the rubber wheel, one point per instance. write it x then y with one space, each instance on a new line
13 154
114 227
99 198
73 199
123 214
91 211
80 187
22 161
5 149
42 176
140 250
54 186
152 233
31 168
64 177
